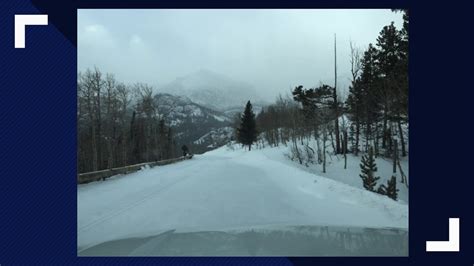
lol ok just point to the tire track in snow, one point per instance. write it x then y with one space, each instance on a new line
115 213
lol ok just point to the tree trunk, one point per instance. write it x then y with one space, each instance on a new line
99 132
390 140
334 148
395 150
357 137
344 148
318 150
336 129
402 140
324 149
124 149
324 156
367 137
110 160
404 177
384 132
94 149
336 104
376 141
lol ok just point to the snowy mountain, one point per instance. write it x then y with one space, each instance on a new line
212 90
178 109
216 137
198 127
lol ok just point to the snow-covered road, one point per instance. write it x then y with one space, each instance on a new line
225 189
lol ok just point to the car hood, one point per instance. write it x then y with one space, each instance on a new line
284 241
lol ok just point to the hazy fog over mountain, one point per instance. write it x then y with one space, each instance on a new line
263 52
212 89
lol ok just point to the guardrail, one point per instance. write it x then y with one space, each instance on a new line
106 173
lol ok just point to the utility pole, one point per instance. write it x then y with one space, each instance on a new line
336 104
335 62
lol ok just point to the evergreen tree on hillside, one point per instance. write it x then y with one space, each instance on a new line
391 190
317 104
382 190
363 102
368 169
391 70
353 104
371 107
162 140
355 108
247 132
389 50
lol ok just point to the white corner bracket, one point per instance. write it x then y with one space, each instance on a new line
452 245
21 21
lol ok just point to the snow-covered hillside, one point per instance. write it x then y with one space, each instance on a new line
178 109
194 125
231 188
216 138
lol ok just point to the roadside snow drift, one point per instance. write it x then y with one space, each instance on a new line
229 189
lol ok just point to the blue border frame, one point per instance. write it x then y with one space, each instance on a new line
38 132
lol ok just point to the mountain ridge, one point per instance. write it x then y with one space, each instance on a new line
212 90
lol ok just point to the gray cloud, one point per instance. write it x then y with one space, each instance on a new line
273 50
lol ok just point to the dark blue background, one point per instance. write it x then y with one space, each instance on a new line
38 132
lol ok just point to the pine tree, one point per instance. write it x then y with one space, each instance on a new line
368 169
247 132
355 106
382 190
363 102
162 139
392 191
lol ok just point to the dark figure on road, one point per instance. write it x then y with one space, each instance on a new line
185 150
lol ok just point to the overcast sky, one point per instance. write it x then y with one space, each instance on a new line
273 50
